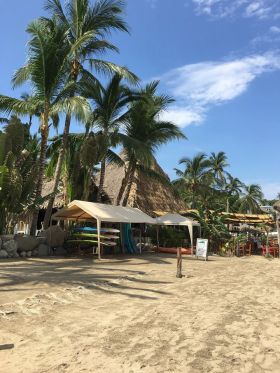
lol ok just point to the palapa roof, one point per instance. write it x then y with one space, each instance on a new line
232 217
146 193
277 206
48 188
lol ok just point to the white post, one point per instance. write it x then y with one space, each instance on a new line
190 227
98 238
140 240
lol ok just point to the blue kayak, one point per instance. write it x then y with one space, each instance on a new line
92 229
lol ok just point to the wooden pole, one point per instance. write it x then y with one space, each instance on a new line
179 263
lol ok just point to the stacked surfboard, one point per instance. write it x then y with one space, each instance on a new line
88 235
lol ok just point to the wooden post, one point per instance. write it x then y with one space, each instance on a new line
179 263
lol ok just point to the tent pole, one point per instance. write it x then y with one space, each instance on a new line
157 237
98 238
190 227
122 238
140 240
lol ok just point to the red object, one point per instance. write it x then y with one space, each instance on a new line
173 250
272 250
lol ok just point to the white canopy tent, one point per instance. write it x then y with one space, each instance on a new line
177 219
90 211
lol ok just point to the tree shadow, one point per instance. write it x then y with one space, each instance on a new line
112 275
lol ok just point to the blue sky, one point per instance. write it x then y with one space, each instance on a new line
220 60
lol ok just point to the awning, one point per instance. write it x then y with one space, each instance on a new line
177 219
89 211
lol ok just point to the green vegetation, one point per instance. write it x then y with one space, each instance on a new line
66 58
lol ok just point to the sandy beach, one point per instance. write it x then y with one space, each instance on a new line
133 315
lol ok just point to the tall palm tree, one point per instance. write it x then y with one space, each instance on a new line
109 114
87 26
218 163
78 166
232 189
144 133
251 199
195 177
46 71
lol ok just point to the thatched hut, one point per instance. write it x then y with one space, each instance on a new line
147 194
48 188
277 206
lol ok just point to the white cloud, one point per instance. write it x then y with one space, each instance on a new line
247 8
198 87
183 117
152 3
274 29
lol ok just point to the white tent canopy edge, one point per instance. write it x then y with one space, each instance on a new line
90 211
177 219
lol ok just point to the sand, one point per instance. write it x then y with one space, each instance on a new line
133 315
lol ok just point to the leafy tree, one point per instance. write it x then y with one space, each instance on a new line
218 164
195 179
144 133
45 70
87 27
18 172
250 199
109 115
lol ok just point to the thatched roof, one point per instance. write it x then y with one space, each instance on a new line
277 206
147 194
232 217
48 188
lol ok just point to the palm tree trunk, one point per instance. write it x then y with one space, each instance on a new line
86 186
74 75
101 180
42 161
122 188
58 169
129 183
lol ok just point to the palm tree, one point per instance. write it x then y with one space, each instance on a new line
18 171
251 199
109 114
144 133
195 178
217 164
87 26
79 162
232 189
46 71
